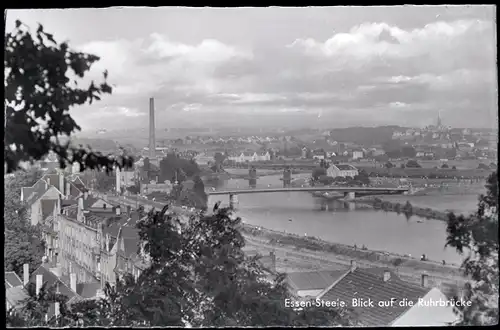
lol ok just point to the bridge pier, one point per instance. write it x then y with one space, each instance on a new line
233 201
349 195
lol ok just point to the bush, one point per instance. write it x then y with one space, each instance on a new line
482 166
454 168
413 164
326 180
445 166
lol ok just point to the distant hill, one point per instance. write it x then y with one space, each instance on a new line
105 146
365 135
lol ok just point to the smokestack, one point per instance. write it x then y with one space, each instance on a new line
118 178
26 274
353 265
118 210
72 281
39 283
152 142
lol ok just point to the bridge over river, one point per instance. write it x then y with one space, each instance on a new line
349 192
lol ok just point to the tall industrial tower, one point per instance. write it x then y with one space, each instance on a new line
152 141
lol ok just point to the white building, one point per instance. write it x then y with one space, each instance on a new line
357 154
318 155
263 156
343 170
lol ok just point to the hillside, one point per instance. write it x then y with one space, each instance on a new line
364 135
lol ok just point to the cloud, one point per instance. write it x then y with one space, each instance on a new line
369 67
369 40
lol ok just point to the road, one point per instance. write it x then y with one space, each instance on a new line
313 189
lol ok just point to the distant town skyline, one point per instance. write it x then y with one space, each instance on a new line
296 67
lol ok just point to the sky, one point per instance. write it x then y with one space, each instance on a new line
271 67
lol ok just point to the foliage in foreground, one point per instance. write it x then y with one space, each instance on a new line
477 235
198 276
23 242
38 97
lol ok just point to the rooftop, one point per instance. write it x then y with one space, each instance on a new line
369 284
16 295
12 280
51 280
345 167
313 280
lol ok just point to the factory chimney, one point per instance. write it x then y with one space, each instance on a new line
152 142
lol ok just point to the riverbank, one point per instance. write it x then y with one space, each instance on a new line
404 208
315 244
295 253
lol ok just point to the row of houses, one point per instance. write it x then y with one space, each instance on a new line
249 156
395 302
89 241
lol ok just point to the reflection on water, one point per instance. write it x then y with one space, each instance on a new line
338 221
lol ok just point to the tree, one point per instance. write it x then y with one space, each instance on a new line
413 164
38 96
445 166
23 242
219 158
482 166
362 177
326 180
389 165
317 172
477 235
105 182
409 152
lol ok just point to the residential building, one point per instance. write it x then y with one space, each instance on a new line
304 152
127 178
263 156
148 188
309 285
382 286
41 202
342 170
374 152
203 159
357 154
12 280
420 153
319 154
15 297
92 241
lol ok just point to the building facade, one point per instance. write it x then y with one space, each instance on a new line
342 170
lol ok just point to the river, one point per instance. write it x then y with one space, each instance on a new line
339 222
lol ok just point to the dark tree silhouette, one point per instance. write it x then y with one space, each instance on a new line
477 235
38 97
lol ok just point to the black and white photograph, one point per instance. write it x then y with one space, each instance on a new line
276 166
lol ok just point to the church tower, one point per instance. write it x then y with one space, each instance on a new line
439 119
